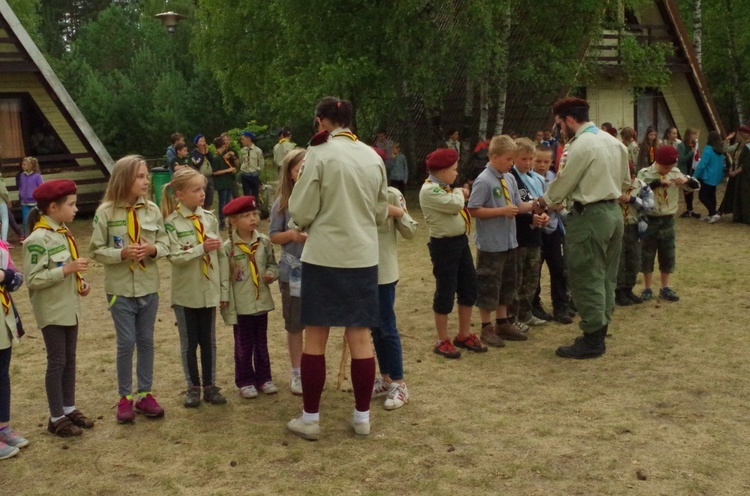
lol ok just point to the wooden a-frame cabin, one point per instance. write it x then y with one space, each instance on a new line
39 118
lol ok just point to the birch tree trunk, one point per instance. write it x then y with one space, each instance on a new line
466 137
698 31
734 65
502 86
484 109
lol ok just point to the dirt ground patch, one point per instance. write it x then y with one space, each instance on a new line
668 401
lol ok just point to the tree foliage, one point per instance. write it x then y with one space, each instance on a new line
406 62
726 54
136 83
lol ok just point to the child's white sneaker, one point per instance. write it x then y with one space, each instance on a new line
398 396
380 388
269 388
7 451
295 385
248 392
305 430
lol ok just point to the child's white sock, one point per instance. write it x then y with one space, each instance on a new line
67 410
55 419
310 418
296 371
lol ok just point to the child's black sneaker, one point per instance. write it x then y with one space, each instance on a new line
668 294
647 294
212 395
686 214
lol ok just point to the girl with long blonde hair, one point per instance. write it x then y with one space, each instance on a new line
128 238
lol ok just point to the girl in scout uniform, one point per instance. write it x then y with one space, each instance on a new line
54 277
252 267
10 280
198 286
290 266
385 336
128 238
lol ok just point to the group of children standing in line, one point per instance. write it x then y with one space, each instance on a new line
130 234
513 242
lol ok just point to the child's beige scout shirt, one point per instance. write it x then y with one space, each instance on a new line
388 238
246 295
442 210
110 236
54 296
251 160
666 199
191 286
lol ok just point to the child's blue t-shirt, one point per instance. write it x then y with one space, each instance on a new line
496 234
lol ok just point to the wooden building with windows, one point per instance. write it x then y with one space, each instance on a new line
685 101
39 118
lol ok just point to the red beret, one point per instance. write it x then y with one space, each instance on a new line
442 158
564 106
745 128
240 205
381 153
666 155
53 190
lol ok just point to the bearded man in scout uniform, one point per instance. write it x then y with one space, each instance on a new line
595 174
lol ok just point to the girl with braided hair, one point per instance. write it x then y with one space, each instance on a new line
252 267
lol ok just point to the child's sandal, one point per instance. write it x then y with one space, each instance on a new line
63 428
80 420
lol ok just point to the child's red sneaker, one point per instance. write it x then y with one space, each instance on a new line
446 349
125 413
149 407
471 342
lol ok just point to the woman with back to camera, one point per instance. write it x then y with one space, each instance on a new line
340 199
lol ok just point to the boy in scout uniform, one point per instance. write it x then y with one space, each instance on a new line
636 202
53 272
592 178
494 203
666 181
128 238
283 147
199 281
452 264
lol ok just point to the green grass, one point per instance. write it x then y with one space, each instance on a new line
669 398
